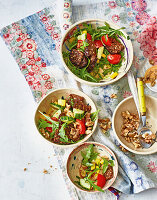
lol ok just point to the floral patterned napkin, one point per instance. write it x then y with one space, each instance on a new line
35 42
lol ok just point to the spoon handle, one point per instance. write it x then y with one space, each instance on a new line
141 96
142 102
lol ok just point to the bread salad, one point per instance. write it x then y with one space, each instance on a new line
95 54
67 121
95 170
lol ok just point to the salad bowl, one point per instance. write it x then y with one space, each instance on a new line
128 104
46 118
74 168
105 68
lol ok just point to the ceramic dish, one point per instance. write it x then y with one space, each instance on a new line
128 51
44 106
154 88
117 121
75 158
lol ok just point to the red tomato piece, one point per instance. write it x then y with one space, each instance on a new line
79 43
114 58
81 126
98 43
89 37
106 40
101 181
49 129
54 119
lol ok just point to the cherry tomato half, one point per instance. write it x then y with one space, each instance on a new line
101 181
98 43
114 58
54 119
79 43
106 40
81 126
89 37
49 129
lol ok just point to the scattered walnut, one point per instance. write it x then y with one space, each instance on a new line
88 120
45 171
123 149
67 111
105 124
113 96
25 169
151 62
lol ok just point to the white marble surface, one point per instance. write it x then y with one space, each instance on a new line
20 143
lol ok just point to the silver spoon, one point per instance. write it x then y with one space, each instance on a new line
140 103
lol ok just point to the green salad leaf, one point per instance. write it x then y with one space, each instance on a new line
50 120
64 137
106 164
81 73
95 187
43 124
94 115
89 155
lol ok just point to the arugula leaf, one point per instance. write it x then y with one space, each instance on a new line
49 119
92 172
83 155
105 165
86 156
88 28
78 177
73 44
64 137
93 156
111 163
43 124
89 151
94 115
95 187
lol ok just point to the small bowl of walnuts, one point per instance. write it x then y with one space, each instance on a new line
125 123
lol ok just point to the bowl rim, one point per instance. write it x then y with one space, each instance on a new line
88 82
113 126
70 145
108 150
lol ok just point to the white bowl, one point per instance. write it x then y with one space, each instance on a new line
75 158
117 121
55 95
128 51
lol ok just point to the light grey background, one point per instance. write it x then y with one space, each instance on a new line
19 142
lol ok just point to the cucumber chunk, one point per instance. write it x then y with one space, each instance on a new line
78 114
85 184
